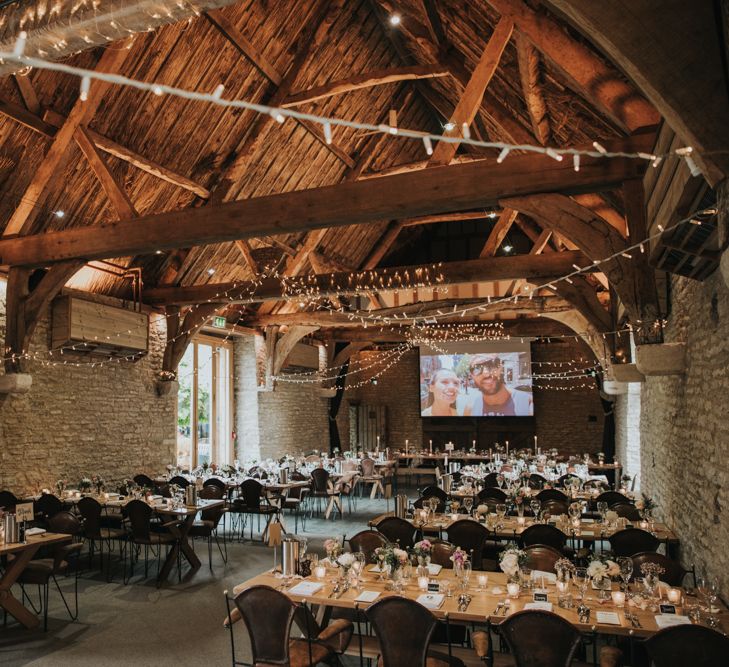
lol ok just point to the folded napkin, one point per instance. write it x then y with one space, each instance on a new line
434 569
669 620
367 596
35 531
306 588
431 600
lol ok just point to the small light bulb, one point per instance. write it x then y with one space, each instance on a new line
59 214
449 126
211 271
395 19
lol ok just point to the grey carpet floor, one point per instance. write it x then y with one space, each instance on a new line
139 624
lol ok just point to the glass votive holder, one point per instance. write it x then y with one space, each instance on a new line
521 520
643 525
423 583
483 580
454 517
512 588
563 586
674 595
320 572
618 599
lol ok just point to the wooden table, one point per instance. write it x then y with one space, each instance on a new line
510 528
482 609
23 555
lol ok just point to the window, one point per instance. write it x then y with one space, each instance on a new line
204 434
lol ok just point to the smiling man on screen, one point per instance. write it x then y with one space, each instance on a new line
494 399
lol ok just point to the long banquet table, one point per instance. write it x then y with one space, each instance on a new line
23 553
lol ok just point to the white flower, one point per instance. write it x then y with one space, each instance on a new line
597 569
610 515
401 555
346 559
509 563
482 509
613 569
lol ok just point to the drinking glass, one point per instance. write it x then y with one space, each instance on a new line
465 575
468 503
626 570
702 588
602 508
536 506
501 512
581 579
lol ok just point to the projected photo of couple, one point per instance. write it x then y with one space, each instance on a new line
481 384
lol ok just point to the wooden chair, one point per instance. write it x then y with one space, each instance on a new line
398 531
367 541
612 498
252 501
542 533
441 553
674 573
322 488
46 507
693 645
552 494
626 510
632 541
207 526
371 476
141 535
542 557
471 537
96 533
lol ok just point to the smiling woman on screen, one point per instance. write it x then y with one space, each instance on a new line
444 387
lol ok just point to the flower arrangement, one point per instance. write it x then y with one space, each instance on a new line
333 547
601 567
459 558
611 516
511 559
517 495
61 486
564 566
482 510
85 484
345 561
422 549
651 569
98 482
391 557
645 503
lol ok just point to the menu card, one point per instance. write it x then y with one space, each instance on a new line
607 618
669 620
434 569
367 596
543 606
306 588
431 600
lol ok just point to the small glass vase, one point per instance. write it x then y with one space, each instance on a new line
520 509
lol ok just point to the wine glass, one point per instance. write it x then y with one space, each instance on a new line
581 580
465 575
536 506
626 569
433 502
602 508
501 512
468 503
702 588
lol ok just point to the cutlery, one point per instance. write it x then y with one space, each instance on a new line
637 621
466 602
505 608
344 589
335 590
496 611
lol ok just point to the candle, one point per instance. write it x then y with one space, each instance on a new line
320 572
431 446
423 583
507 447
535 444
644 525
563 586
618 599
674 595
406 445
483 579
512 588
521 520
474 444
454 517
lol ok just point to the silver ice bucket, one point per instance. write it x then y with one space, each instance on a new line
401 505
290 565
10 525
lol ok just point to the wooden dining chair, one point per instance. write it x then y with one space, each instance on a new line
96 533
367 541
398 531
270 632
46 507
673 572
206 527
542 557
139 515
471 537
693 645
441 553
552 494
612 498
626 510
405 629
543 533
8 501
491 494
632 541
145 481
252 501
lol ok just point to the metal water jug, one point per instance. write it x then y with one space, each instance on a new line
190 495
446 481
290 557
10 526
401 505
283 475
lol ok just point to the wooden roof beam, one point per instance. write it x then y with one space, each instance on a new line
469 271
528 59
498 233
378 77
437 190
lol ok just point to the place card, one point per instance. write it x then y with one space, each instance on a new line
542 606
431 600
306 588
24 512
669 620
667 608
607 617
540 597
433 587
434 569
367 596
588 520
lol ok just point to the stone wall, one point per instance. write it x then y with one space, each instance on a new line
292 418
80 421
627 431
685 429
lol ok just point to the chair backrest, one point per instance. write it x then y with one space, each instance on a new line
320 480
632 541
65 522
491 480
268 632
492 493
594 484
673 573
536 481
564 479
212 492
368 467
145 480
470 536
552 494
297 476
397 530
90 509
693 645
250 493
177 480
8 501
441 553
613 498
139 515
420 503
543 533
542 557
554 507
214 481
404 629
540 639
430 491
367 541
626 510
48 506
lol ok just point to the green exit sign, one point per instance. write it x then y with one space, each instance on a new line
219 321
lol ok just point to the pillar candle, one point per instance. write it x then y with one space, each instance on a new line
512 589
431 446
507 447
618 598
674 595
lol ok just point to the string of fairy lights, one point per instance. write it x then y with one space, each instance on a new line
308 290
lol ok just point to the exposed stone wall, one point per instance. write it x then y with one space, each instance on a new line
292 418
627 431
78 421
685 429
